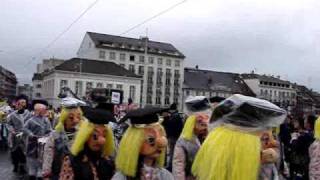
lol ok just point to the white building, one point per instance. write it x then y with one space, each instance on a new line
160 64
81 75
272 89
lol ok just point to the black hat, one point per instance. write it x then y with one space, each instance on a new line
143 116
97 116
197 103
106 106
22 96
39 101
216 99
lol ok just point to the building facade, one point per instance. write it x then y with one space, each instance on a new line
8 83
273 89
25 89
160 64
81 75
48 64
198 82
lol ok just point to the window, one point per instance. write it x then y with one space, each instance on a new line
141 59
88 86
63 83
78 88
166 101
99 85
132 58
102 54
261 92
38 86
122 57
123 65
188 93
141 70
175 100
38 95
158 100
131 68
168 62
132 92
119 86
150 70
149 99
168 72
112 55
151 59
109 86
159 61
177 63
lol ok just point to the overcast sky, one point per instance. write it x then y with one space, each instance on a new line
279 37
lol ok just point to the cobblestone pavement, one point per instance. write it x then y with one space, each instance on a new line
6 167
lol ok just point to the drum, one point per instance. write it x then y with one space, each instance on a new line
41 143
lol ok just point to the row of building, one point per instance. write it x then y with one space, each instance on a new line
154 73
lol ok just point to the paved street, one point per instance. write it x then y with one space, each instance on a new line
6 168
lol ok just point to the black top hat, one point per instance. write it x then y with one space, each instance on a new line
97 116
143 116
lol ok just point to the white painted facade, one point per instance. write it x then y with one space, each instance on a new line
37 89
88 50
53 82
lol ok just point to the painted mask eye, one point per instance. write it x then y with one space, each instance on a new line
95 136
151 141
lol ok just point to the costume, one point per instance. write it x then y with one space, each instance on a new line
15 123
194 132
314 153
35 129
232 150
92 148
141 152
60 140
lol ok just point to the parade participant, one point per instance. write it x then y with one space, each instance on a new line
194 132
314 153
269 157
232 150
36 128
92 149
60 140
141 153
15 123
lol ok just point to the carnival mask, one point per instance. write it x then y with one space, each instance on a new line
154 143
74 117
98 138
201 126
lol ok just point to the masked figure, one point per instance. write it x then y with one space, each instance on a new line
92 148
60 140
232 150
141 153
314 152
193 134
15 123
35 129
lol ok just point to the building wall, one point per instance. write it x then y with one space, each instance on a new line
37 89
26 89
89 51
53 83
8 83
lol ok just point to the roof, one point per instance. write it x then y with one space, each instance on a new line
264 78
37 76
95 67
215 81
132 44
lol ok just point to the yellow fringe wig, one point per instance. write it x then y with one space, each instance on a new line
85 130
63 116
228 154
187 131
129 150
317 129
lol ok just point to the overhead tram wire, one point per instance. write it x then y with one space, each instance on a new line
62 33
153 17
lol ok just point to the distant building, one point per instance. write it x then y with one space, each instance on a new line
48 64
25 89
308 102
81 75
160 64
273 89
8 83
198 82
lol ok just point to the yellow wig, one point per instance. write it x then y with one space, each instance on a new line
187 131
63 116
85 130
317 129
129 150
228 154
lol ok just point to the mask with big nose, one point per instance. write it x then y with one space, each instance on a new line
97 139
154 143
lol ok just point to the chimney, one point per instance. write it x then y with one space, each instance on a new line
197 67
